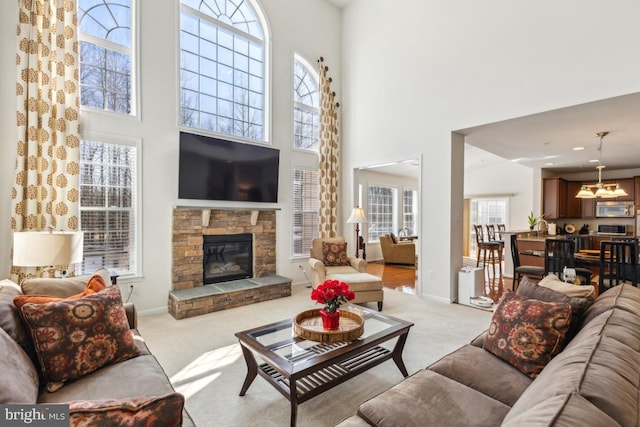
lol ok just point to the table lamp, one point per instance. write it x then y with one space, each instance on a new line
48 249
357 217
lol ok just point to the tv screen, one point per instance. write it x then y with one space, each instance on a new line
217 169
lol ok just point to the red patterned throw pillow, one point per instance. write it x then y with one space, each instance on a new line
161 411
77 336
335 254
527 333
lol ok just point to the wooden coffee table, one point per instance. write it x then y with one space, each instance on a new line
301 369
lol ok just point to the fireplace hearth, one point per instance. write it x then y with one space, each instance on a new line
227 257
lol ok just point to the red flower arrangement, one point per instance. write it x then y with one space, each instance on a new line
332 293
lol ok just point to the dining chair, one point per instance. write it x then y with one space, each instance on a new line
522 270
618 264
560 253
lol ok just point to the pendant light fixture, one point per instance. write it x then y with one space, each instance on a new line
605 191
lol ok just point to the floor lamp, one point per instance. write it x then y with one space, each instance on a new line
358 217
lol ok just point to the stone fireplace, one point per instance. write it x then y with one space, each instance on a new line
239 247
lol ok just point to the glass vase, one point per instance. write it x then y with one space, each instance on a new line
330 321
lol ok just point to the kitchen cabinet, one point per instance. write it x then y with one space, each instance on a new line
627 185
574 205
554 198
588 208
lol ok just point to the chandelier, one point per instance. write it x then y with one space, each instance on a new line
605 191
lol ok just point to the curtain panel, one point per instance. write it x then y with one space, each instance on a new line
329 156
46 188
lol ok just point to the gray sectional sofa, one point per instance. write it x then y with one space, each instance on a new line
135 391
593 381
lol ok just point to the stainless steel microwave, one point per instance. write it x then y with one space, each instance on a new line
612 229
615 210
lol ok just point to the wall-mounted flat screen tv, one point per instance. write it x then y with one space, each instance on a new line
217 169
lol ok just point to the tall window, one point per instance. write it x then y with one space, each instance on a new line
108 180
486 211
381 213
222 68
409 211
306 204
106 54
306 106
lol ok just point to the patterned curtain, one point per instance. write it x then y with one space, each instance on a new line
46 187
329 156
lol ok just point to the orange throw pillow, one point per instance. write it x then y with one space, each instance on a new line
95 284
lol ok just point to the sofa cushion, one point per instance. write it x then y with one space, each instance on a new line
484 372
552 281
527 333
569 409
429 399
94 284
115 382
624 297
77 336
19 380
161 411
59 287
334 254
579 305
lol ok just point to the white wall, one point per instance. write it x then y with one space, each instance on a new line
413 72
503 178
311 28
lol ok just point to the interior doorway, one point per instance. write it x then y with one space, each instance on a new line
390 195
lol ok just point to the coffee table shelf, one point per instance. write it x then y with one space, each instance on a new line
317 382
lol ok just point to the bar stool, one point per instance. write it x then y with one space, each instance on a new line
492 237
488 250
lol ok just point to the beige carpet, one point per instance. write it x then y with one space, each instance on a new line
203 359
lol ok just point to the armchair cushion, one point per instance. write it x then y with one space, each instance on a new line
334 254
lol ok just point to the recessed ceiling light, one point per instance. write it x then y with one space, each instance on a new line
578 148
549 164
593 161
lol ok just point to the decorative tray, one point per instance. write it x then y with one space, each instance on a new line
308 325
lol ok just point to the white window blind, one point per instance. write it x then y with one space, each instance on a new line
381 212
306 204
108 206
410 211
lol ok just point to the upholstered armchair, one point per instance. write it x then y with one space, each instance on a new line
397 252
320 270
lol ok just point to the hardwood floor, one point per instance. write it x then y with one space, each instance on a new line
403 279
400 278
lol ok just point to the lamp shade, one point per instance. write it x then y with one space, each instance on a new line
357 216
43 249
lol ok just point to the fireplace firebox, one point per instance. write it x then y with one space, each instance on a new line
227 257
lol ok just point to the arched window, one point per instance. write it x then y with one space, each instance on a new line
306 106
223 68
106 41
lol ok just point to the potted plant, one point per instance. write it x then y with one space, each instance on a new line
331 293
533 220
